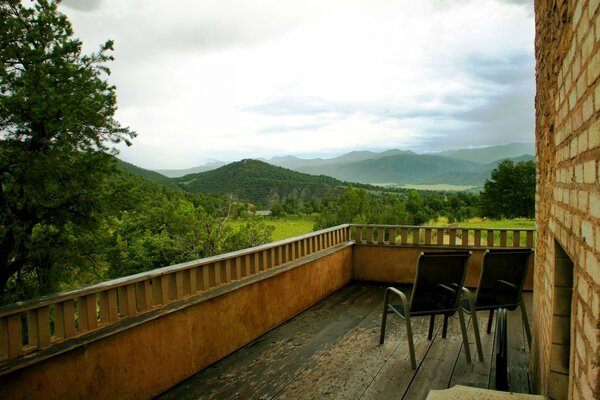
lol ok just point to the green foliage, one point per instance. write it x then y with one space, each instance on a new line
510 193
262 183
414 208
56 119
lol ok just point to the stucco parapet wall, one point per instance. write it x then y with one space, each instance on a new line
397 263
29 359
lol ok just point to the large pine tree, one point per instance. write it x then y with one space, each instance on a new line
56 127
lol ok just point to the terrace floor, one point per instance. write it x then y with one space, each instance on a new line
332 351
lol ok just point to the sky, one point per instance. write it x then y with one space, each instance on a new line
233 79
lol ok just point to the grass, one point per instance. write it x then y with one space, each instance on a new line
487 223
288 227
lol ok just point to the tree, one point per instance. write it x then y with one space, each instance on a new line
510 193
56 119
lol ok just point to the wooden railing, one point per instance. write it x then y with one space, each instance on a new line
399 235
37 324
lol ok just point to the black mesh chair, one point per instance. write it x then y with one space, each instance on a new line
436 291
503 273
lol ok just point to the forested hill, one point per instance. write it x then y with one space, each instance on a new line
148 175
262 183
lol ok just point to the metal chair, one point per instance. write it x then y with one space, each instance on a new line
436 291
503 273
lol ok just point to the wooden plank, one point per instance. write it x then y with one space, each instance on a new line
369 235
131 304
416 235
465 237
477 237
32 328
395 377
529 240
435 371
266 366
476 374
502 238
517 357
103 304
3 338
403 236
516 238
148 295
15 344
113 315
440 236
380 235
59 321
194 280
452 241
392 237
347 367
358 234
490 238
428 236
68 312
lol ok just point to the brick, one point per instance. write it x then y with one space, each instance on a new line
593 68
592 267
572 99
579 173
597 246
577 13
582 200
588 45
588 108
581 87
590 332
583 289
589 171
597 95
582 142
594 133
587 231
592 6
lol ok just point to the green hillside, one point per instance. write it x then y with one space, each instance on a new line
261 183
398 169
492 153
148 175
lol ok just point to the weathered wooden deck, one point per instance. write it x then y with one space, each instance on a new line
332 351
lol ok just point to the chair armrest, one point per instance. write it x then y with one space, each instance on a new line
391 290
467 293
446 287
506 283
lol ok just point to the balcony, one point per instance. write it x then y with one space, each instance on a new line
295 318
332 350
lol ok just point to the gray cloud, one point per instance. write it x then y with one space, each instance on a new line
82 5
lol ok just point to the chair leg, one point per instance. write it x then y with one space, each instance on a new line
431 324
525 321
477 336
445 328
411 346
383 321
491 317
463 329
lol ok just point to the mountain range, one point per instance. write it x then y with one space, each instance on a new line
465 167
272 181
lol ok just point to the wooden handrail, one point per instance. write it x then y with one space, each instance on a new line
28 326
447 236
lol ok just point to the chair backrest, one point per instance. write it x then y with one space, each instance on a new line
503 274
438 283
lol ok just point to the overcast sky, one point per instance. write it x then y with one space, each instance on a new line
233 79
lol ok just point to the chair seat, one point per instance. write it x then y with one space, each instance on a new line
486 303
423 309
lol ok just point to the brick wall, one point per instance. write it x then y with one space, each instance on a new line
566 351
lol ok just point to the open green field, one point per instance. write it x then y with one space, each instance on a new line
290 226
487 223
